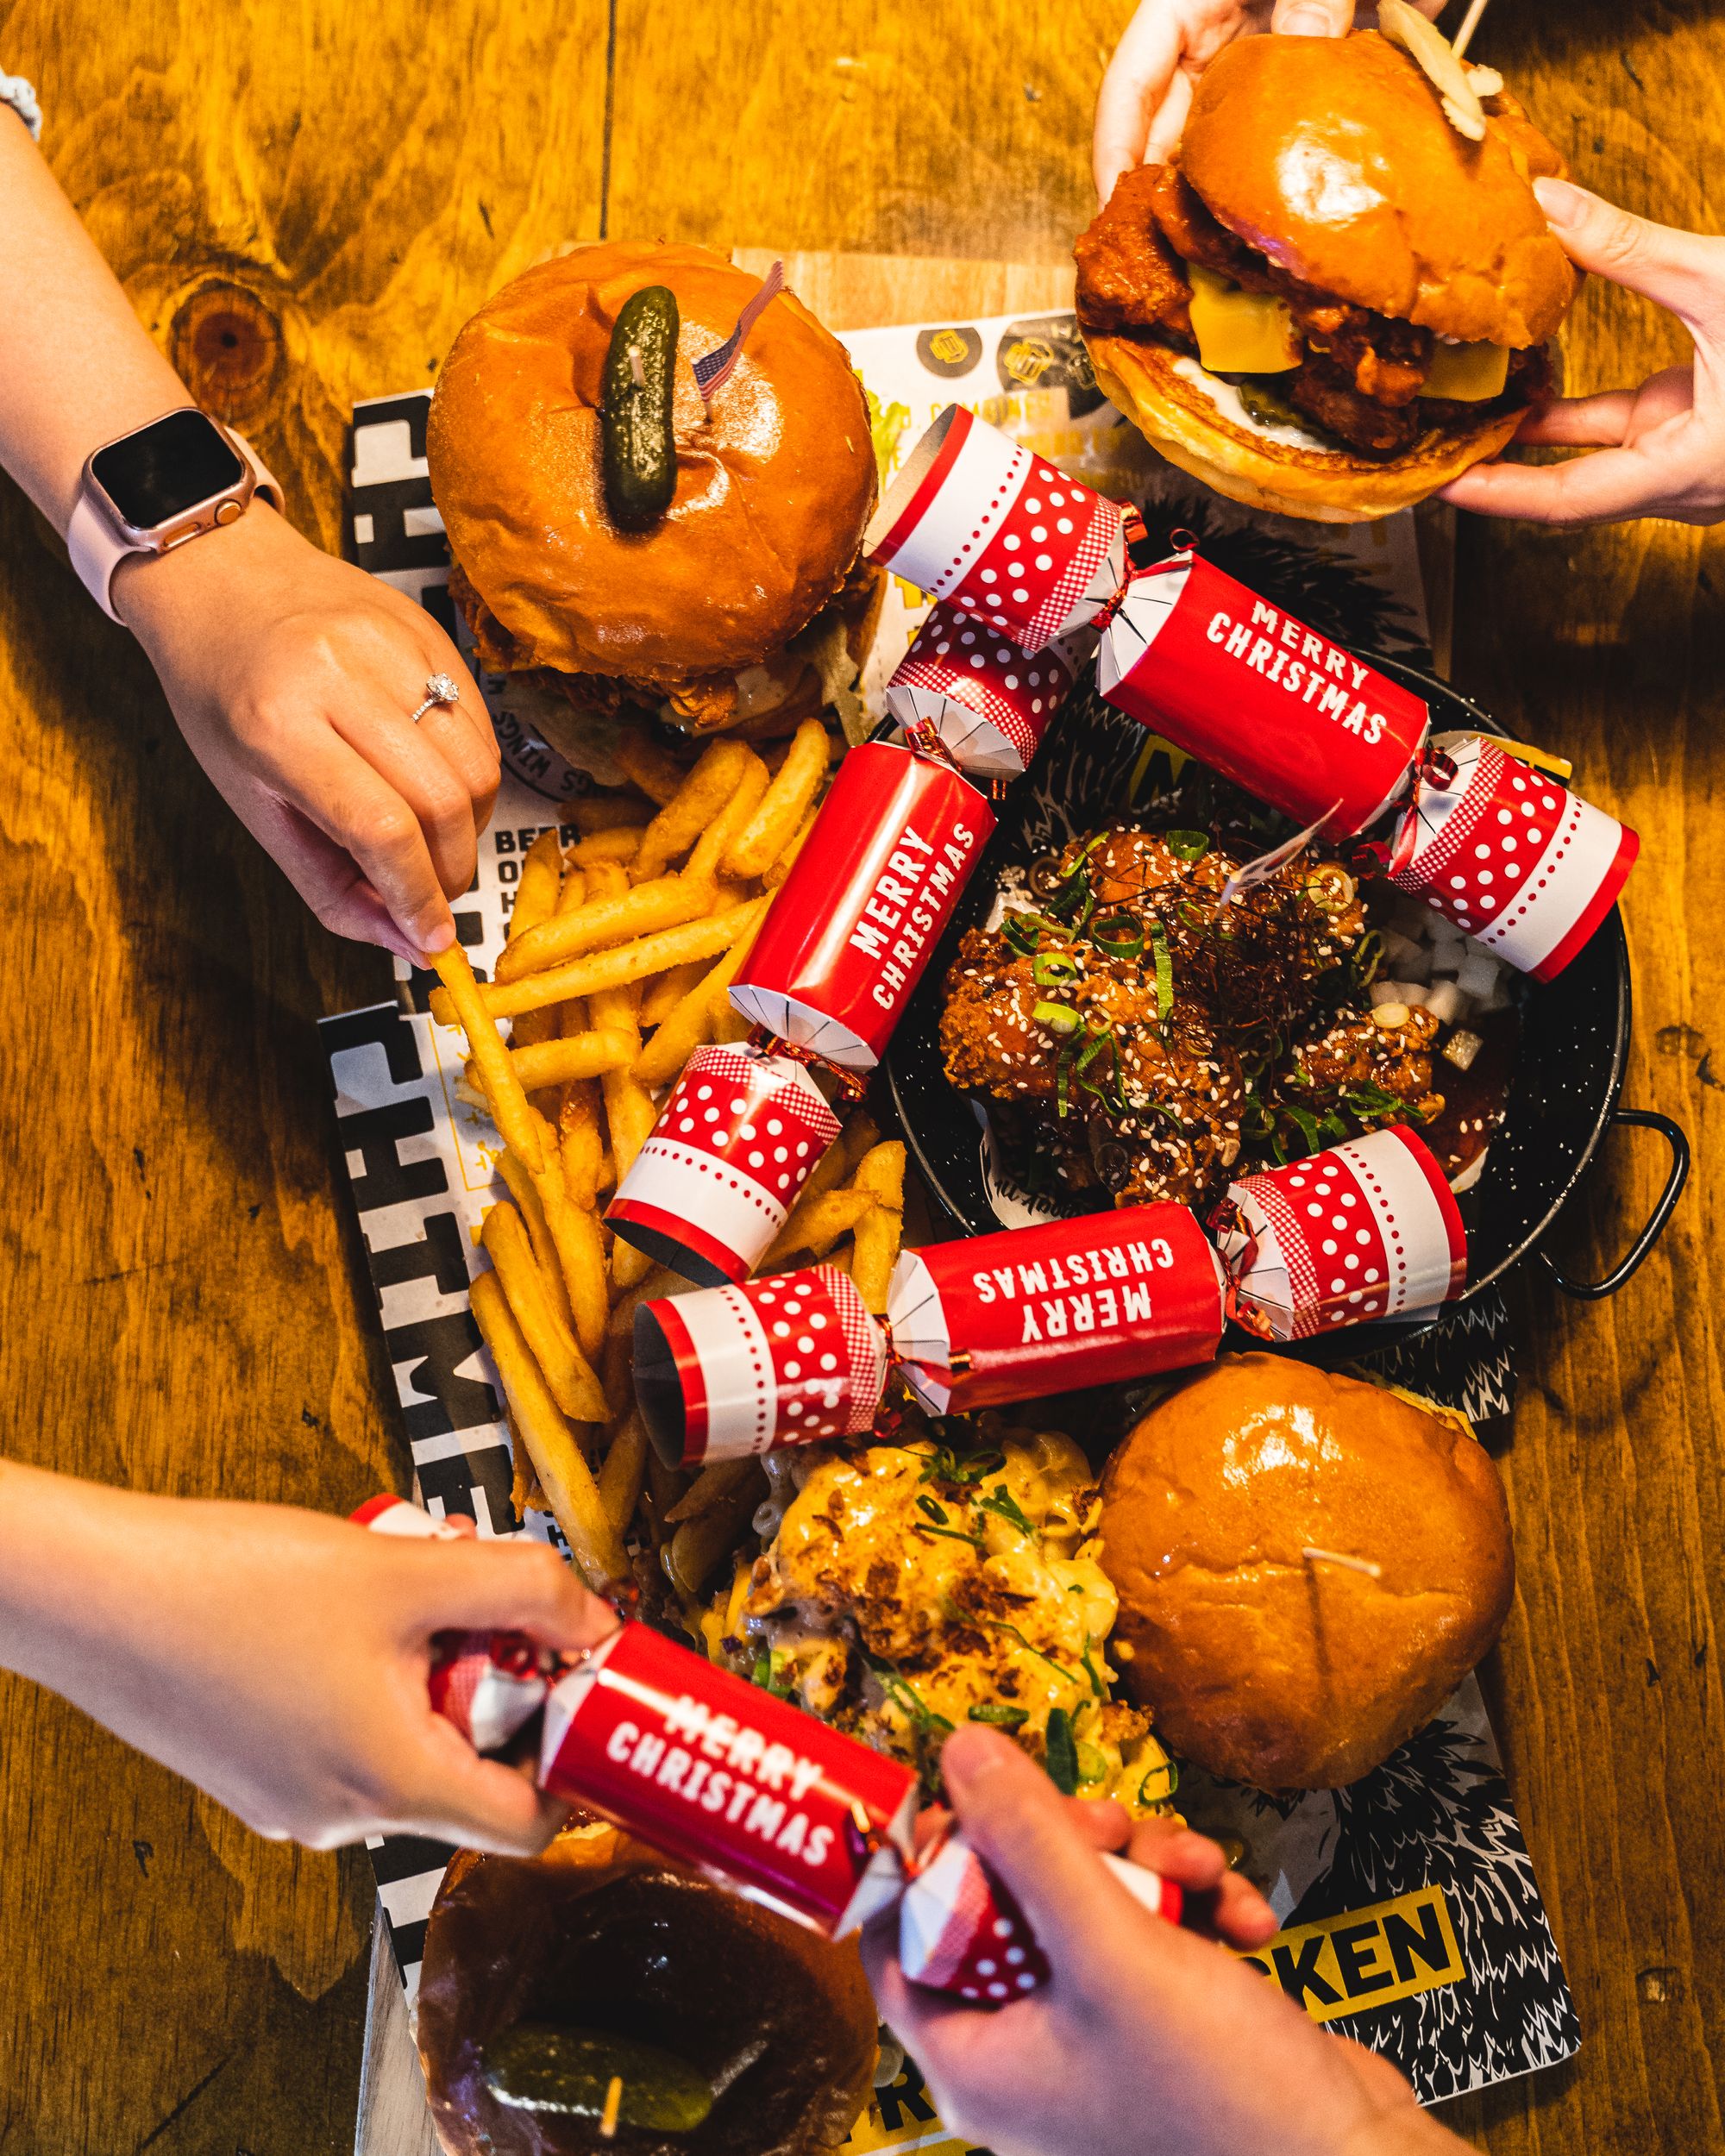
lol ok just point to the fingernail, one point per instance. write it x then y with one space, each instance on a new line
1561 200
1307 22
438 936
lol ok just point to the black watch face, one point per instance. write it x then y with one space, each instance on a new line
165 468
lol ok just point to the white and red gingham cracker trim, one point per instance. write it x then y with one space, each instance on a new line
959 1931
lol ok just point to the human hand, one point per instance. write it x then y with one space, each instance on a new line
293 677
1146 2037
1662 446
1168 45
280 1658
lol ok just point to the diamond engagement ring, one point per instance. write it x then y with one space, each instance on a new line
439 689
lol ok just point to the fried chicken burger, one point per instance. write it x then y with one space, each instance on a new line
743 601
1331 302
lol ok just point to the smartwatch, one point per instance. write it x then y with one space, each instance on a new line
156 488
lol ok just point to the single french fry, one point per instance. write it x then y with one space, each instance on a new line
516 1120
783 806
606 968
666 992
710 1487
628 1265
665 1485
557 1458
629 1111
525 1193
623 1471
591 812
650 767
874 1252
780 868
817 1228
715 842
599 923
574 1232
535 890
731 1025
697 1548
829 1171
690 1024
568 1372
621 842
574 890
580 1141
881 1172
554 1062
683 819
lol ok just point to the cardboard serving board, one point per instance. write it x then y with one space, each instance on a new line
1411 1917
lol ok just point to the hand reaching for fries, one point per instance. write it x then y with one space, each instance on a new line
276 1657
617 966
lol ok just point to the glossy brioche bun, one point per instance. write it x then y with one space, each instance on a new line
602 1932
1261 1666
1332 156
1331 486
772 493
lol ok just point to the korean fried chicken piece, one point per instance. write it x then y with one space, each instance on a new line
1370 1071
1129 277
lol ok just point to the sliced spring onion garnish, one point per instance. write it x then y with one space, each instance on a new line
1164 970
1059 1019
1118 936
1187 845
1053 967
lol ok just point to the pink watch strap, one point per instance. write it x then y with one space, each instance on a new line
98 549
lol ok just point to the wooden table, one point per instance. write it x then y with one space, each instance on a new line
305 202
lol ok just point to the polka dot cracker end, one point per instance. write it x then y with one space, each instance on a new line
1514 858
976 520
1363 1231
733 1146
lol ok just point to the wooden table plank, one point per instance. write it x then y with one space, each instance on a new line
305 202
333 188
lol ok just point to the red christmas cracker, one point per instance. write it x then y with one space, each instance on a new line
490 1685
1257 695
853 926
984 700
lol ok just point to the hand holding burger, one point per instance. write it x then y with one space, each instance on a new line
1661 446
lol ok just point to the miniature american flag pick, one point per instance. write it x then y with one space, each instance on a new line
715 370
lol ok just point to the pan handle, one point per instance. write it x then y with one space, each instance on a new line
1597 1290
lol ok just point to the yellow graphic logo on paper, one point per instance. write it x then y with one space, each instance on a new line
1027 359
948 346
901 2118
1367 1958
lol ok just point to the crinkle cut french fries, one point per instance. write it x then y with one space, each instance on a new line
618 964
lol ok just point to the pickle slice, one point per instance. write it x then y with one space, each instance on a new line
535 2066
639 449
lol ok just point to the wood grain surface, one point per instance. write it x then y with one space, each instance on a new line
306 201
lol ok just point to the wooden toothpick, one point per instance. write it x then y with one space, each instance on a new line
1349 1564
1463 37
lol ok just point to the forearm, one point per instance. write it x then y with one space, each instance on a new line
76 366
71 1596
